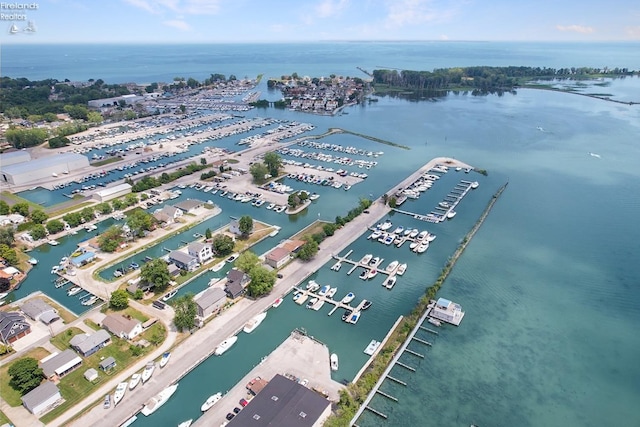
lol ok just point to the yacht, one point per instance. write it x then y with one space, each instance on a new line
134 381
311 284
336 266
148 371
407 232
90 301
314 196
422 247
165 359
157 401
365 259
375 235
444 205
414 233
33 261
399 230
119 393
401 269
169 295
431 237
212 400
423 235
186 423
392 266
348 298
389 282
331 292
312 302
413 245
252 324
334 361
71 292
53 242
225 345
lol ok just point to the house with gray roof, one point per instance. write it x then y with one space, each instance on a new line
108 363
37 309
13 326
237 281
189 205
183 260
59 365
122 327
168 214
87 344
202 251
42 398
210 301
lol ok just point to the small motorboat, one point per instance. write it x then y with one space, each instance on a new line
401 269
348 298
212 400
165 359
366 304
277 303
331 292
169 295
389 282
312 302
134 381
334 361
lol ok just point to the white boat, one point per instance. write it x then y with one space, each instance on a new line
212 400
323 291
90 301
331 292
252 324
71 292
33 261
186 423
364 274
399 230
314 196
389 282
475 184
392 266
334 361
431 237
312 302
54 242
165 359
157 401
375 261
414 233
372 273
277 303
433 321
311 284
148 371
119 393
348 298
353 318
318 305
401 269
169 295
336 266
385 225
375 235
271 206
134 381
365 259
451 214
422 247
423 235
225 345
372 347
444 205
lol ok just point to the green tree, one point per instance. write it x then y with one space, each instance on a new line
74 219
76 111
9 254
94 117
185 312
247 261
203 161
87 214
21 209
222 244
207 233
119 299
392 202
138 294
262 281
130 199
25 375
117 204
273 161
308 250
110 239
140 221
38 232
245 225
24 138
4 208
293 200
58 141
156 273
258 172
104 208
38 216
7 235
54 226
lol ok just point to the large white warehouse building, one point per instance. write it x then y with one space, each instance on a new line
42 169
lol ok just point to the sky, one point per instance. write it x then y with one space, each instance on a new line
229 21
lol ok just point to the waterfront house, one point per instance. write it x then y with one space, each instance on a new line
87 344
189 205
58 365
83 259
237 281
37 309
184 260
168 214
202 251
277 257
122 327
293 246
107 364
42 398
447 311
210 301
13 326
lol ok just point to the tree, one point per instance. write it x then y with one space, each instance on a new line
308 250
247 261
7 235
21 209
117 204
54 226
38 232
58 141
104 208
156 273
262 281
186 311
293 200
245 225
222 244
207 233
38 216
76 111
87 214
4 208
94 117
5 284
119 299
273 161
258 172
130 199
138 294
23 138
393 202
25 375
9 254
74 219
140 221
110 239
203 161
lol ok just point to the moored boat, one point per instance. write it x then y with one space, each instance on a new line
165 359
134 381
389 282
169 295
74 290
364 274
312 302
212 400
475 184
186 423
348 298
433 321
33 261
366 304
331 292
451 214
365 259
277 303
158 400
53 242
354 317
334 361
225 345
252 324
392 266
401 269
323 291
372 273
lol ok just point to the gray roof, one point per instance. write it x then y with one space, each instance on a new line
39 394
86 342
210 297
282 403
35 307
106 192
187 205
12 323
181 257
44 163
117 324
49 367
196 247
14 157
49 317
90 373
107 362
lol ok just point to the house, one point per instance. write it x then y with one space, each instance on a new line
293 246
42 398
236 283
234 227
87 344
13 326
202 251
184 260
37 309
107 364
210 301
174 270
447 311
189 205
122 327
283 402
277 257
168 214
91 375
83 259
60 364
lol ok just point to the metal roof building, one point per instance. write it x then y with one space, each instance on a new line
14 157
42 398
42 169
61 364
112 192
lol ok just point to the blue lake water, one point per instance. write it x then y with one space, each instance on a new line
550 282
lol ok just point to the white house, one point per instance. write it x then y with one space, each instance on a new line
42 398
122 327
202 251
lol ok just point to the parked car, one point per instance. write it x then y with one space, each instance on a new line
243 402
107 401
237 410
230 416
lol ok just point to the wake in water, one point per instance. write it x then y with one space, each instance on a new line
595 155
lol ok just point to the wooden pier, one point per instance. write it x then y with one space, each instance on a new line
387 395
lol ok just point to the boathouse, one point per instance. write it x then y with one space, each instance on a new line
447 311
83 259
110 193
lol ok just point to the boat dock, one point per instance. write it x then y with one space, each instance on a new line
439 213
337 304
356 264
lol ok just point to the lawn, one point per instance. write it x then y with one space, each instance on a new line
311 229
93 325
62 339
11 396
4 419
